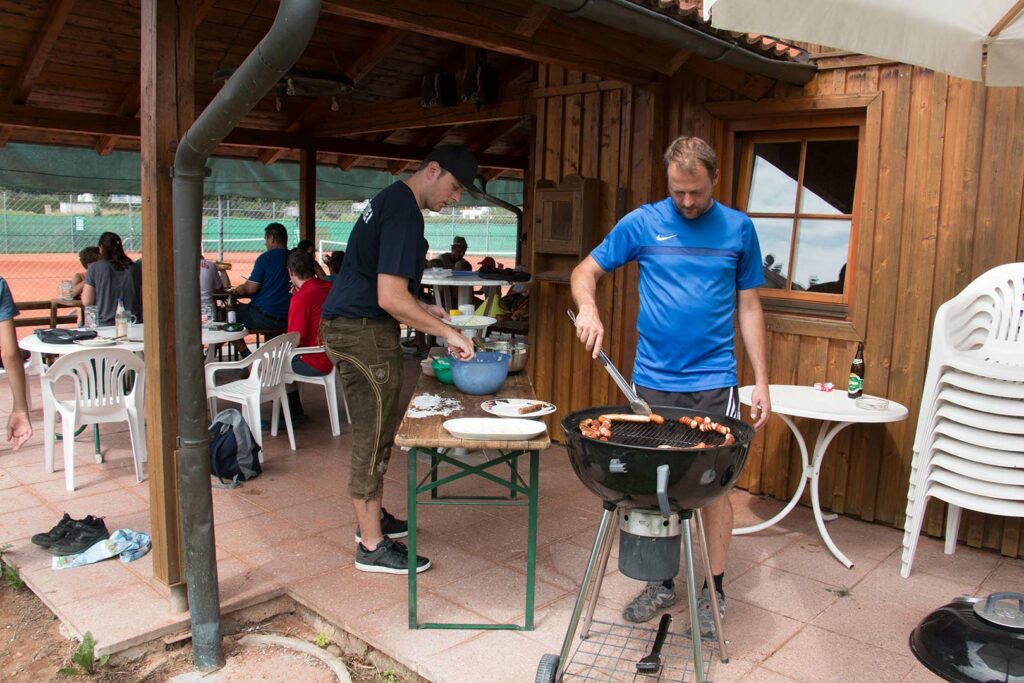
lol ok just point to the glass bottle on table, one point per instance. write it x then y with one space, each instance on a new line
121 317
232 316
856 386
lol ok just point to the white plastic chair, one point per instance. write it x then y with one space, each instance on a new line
329 382
265 383
109 386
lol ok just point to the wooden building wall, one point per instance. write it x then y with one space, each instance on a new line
940 183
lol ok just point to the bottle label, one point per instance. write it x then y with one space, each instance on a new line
856 384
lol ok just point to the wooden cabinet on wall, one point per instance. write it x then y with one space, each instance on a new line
566 226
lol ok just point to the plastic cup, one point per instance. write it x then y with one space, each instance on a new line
65 289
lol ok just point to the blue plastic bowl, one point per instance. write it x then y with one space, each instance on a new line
483 375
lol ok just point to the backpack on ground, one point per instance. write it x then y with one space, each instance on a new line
234 455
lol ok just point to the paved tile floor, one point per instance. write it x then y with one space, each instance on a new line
794 613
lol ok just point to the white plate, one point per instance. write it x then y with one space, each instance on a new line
96 341
509 407
494 429
471 322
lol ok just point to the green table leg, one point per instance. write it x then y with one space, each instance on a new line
411 538
531 538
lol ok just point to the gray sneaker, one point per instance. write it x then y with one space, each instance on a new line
705 617
651 599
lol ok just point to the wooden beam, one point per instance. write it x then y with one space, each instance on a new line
130 101
307 194
347 161
39 118
384 44
34 61
407 113
529 24
168 108
556 41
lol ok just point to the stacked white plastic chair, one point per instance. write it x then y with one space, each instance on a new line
969 444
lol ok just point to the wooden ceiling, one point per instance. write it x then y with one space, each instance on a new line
69 74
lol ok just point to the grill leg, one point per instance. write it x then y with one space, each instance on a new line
602 566
702 543
691 589
604 530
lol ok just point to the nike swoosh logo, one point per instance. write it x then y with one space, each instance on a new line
661 238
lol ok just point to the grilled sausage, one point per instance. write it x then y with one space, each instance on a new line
530 408
604 431
729 440
625 417
688 421
657 419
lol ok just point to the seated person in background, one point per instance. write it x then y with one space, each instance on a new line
19 427
268 286
304 318
456 258
85 257
109 280
334 262
310 248
211 280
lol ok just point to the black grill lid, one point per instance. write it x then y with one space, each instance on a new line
958 645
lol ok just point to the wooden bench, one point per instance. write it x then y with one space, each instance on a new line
52 319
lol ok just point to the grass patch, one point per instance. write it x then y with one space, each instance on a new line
10 574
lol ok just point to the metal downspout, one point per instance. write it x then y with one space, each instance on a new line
275 54
625 15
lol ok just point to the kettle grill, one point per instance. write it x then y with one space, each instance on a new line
653 479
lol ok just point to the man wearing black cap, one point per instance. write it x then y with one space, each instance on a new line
372 294
456 258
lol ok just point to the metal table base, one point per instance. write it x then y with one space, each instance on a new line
516 486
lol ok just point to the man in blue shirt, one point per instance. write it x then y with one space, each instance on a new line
697 258
374 293
268 286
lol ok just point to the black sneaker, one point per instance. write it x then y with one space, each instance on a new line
390 557
48 538
390 526
83 537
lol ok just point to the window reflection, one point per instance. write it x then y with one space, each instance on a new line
820 260
774 234
773 185
830 172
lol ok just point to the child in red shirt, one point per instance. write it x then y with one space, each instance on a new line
308 295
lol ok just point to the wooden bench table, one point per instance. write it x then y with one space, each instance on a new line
428 435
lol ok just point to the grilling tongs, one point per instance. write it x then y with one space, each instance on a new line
636 404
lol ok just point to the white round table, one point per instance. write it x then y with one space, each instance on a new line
463 285
836 411
134 343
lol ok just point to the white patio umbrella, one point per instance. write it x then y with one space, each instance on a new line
950 36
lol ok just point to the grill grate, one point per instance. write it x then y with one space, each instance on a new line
612 650
651 435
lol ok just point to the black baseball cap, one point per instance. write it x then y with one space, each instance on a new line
460 162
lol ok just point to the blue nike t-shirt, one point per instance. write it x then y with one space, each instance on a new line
690 271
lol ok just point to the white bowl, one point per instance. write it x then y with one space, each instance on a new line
471 322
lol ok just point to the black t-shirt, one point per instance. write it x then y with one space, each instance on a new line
387 238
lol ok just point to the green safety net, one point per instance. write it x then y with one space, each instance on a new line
46 168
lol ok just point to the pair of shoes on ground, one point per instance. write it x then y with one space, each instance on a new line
656 596
72 536
390 556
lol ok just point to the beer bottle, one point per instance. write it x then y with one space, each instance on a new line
856 386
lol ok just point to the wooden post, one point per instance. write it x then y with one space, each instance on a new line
307 195
167 110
